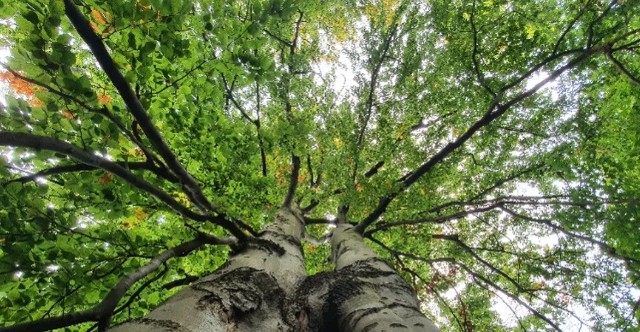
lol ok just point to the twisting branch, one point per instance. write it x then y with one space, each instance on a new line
82 156
82 26
103 311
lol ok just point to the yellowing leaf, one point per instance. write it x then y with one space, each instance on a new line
130 222
140 214
136 152
182 198
98 17
530 29
338 142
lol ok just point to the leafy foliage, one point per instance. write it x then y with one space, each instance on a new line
487 149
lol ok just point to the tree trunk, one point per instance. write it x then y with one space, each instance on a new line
263 287
247 293
368 294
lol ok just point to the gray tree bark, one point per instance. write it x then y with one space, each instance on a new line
264 287
248 293
368 293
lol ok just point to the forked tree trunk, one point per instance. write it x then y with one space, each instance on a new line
264 287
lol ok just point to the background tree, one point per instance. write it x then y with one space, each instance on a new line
182 164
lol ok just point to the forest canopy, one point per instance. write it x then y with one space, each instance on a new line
488 151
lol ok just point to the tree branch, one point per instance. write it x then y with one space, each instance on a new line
495 111
474 54
51 144
142 165
102 312
293 180
607 249
82 26
622 68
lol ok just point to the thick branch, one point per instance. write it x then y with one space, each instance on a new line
102 312
82 26
293 180
51 144
140 165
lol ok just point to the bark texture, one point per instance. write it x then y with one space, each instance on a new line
367 294
264 287
248 293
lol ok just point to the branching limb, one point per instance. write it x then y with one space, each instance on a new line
293 180
102 312
622 68
51 144
474 54
82 26
495 111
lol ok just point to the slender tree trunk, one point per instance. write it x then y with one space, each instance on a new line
367 294
248 293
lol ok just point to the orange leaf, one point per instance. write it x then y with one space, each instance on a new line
359 187
98 16
67 115
35 102
140 214
105 99
105 178
94 27
301 178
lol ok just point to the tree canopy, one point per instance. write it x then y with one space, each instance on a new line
488 150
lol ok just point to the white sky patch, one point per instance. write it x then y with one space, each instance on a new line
550 89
